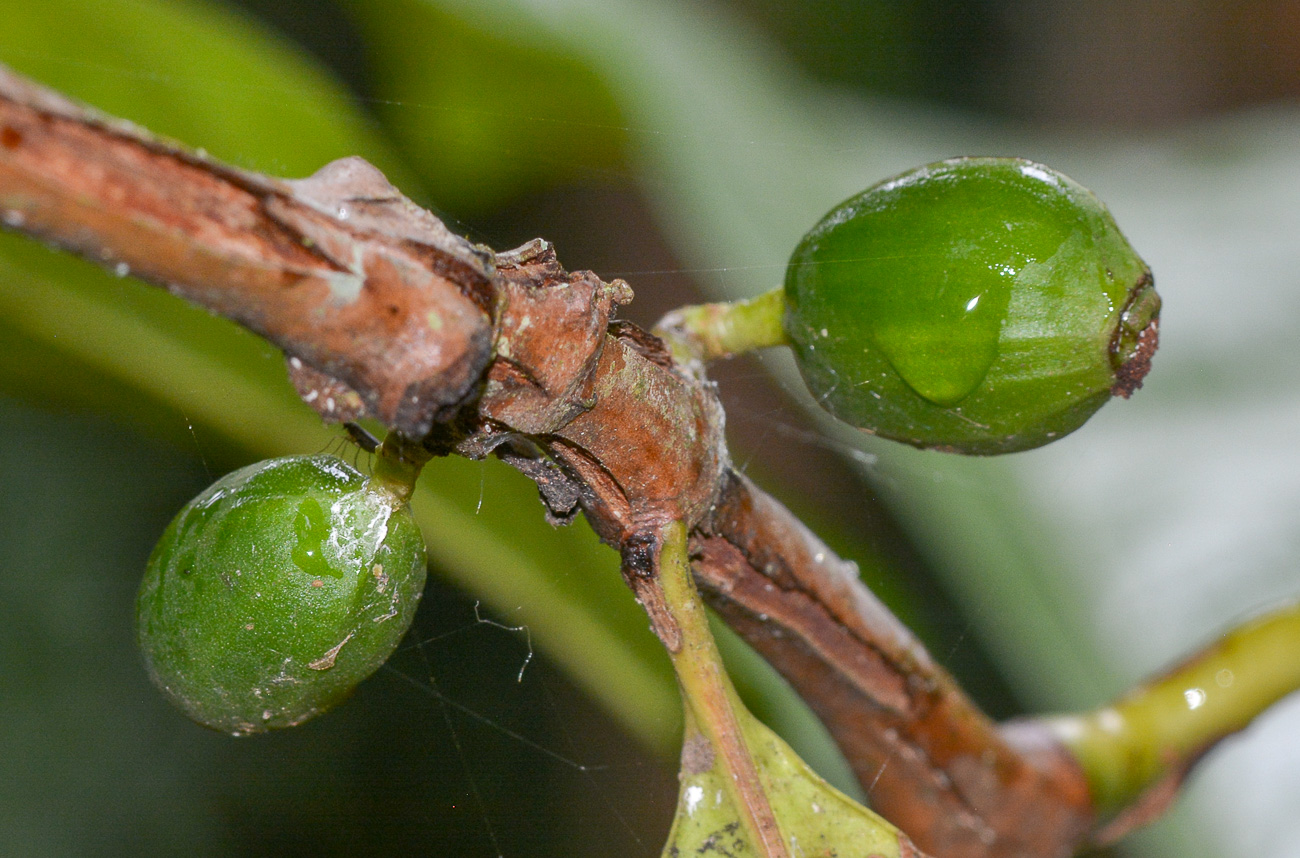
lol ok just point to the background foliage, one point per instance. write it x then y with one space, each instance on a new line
686 147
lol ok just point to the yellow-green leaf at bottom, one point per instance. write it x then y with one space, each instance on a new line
815 819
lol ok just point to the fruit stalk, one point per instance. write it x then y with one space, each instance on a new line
723 329
397 466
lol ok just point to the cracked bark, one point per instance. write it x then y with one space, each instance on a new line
381 311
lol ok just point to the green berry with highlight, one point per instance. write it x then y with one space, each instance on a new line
276 591
977 305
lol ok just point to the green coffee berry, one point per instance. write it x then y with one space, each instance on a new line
275 592
978 305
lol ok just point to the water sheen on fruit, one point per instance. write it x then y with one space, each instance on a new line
275 592
979 305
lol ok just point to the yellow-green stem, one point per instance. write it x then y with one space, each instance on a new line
708 331
397 466
1160 727
712 705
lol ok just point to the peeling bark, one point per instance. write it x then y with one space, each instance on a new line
339 270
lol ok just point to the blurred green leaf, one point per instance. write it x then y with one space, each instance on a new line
485 117
199 73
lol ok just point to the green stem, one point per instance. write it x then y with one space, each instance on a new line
707 331
713 709
1161 727
397 466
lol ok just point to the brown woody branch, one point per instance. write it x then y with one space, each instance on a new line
382 311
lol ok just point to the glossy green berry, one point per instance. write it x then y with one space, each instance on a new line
275 592
979 305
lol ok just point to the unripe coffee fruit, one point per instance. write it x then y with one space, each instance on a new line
977 305
275 592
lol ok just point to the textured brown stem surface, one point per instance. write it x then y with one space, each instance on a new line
339 270
383 312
